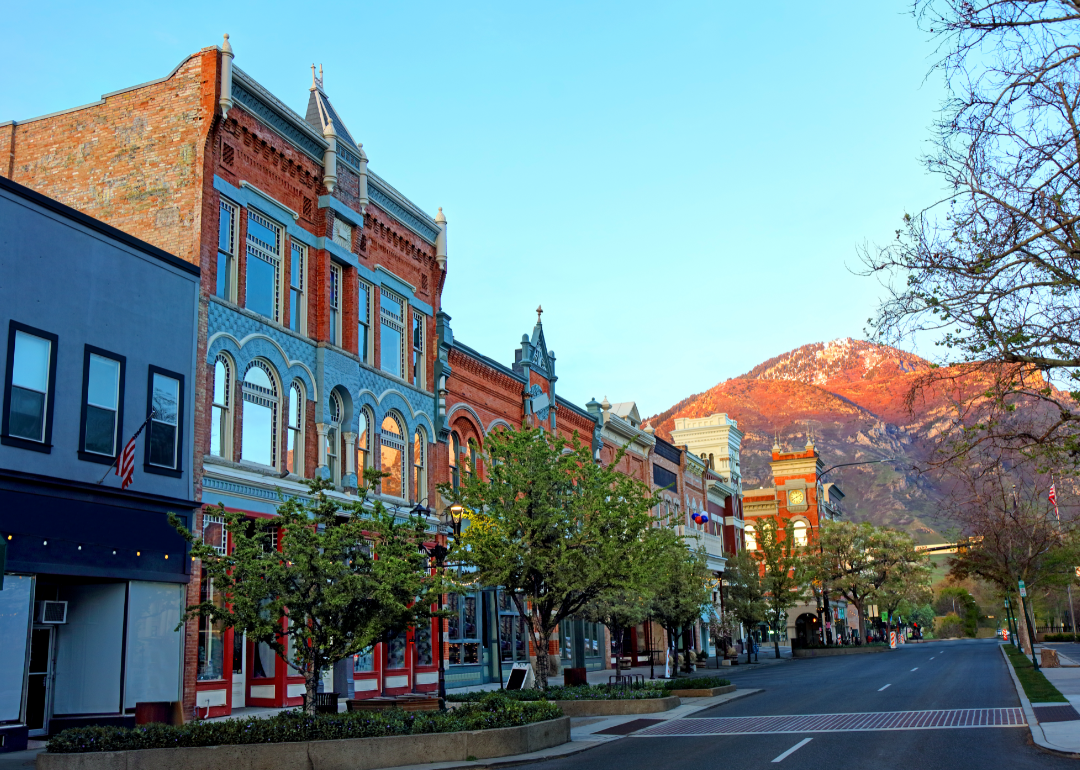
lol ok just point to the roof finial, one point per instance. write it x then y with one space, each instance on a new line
316 80
539 312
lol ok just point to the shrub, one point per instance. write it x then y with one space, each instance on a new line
1061 637
579 692
695 683
491 711
949 626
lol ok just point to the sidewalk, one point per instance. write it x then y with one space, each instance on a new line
1054 726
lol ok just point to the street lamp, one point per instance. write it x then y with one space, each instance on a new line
451 517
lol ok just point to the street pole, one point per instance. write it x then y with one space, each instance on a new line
1009 620
1031 631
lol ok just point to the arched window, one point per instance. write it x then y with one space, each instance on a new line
392 456
294 437
259 439
419 477
363 446
800 529
455 456
751 537
471 460
221 418
712 462
333 439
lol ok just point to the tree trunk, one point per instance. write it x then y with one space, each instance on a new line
542 644
686 650
311 687
859 621
776 643
1022 631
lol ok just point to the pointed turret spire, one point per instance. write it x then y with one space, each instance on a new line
539 312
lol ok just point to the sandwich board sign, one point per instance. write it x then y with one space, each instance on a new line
521 677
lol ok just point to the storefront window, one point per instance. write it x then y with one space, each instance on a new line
593 636
211 643
513 631
395 649
364 662
422 639
464 630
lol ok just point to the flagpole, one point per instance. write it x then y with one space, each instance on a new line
133 437
1068 588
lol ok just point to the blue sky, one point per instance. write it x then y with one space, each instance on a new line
682 186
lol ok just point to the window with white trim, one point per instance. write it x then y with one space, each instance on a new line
258 442
221 408
391 333
104 376
392 456
363 312
263 266
297 298
363 446
418 320
214 533
333 439
294 436
32 365
335 305
800 532
226 261
750 535
419 477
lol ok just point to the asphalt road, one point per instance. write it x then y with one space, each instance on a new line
942 675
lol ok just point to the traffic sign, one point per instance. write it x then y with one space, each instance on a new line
1023 589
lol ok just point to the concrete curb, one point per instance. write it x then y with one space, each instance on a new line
610 708
1037 734
348 754
707 692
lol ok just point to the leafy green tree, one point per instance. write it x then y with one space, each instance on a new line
745 595
681 596
552 526
857 560
907 585
620 609
340 578
783 573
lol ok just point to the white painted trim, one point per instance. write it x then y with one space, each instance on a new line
258 336
431 677
366 685
397 681
261 691
208 698
295 690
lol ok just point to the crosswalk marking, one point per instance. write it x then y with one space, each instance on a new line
938 719
792 750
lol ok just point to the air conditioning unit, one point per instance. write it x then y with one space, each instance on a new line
52 613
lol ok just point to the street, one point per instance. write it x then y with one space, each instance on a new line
917 677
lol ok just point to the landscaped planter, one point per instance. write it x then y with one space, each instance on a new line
609 708
706 692
353 754
825 652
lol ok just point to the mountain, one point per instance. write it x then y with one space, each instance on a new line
851 395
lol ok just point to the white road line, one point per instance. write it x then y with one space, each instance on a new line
888 685
933 658
915 669
793 749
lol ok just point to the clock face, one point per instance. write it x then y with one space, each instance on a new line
796 497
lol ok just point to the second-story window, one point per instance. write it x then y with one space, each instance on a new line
103 376
455 458
333 439
297 309
226 262
221 410
294 449
392 333
260 419
263 266
418 349
335 305
363 312
28 398
363 446
163 432
419 479
392 456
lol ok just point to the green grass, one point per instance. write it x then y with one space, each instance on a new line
1036 686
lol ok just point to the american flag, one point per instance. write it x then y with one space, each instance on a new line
1053 500
125 463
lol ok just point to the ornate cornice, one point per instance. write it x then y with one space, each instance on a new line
481 368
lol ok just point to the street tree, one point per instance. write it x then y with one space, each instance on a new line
1012 532
857 560
552 526
907 586
620 609
682 596
319 582
744 593
783 573
992 271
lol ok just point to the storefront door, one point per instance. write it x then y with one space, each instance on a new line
239 666
39 680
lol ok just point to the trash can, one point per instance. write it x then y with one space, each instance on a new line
1050 658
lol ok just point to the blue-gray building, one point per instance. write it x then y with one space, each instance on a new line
100 333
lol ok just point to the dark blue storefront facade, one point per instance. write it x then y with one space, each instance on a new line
100 333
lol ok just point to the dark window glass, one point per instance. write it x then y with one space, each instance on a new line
395 650
261 285
29 387
164 425
102 403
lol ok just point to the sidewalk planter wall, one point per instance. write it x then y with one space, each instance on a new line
707 692
825 652
354 754
609 708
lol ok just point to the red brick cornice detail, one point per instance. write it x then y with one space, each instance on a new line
482 370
